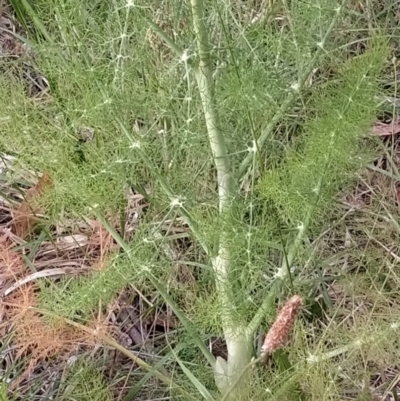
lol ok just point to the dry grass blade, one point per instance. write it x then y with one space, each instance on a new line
383 129
42 274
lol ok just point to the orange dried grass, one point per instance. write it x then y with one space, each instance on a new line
35 339
26 216
101 238
11 264
31 334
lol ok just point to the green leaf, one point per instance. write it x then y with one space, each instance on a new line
139 385
25 12
20 12
3 392
199 386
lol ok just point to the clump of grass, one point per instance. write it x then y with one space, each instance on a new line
84 382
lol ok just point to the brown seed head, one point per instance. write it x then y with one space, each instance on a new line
279 331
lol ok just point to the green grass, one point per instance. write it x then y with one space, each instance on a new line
84 382
106 73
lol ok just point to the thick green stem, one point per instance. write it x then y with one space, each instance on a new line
226 184
237 340
245 372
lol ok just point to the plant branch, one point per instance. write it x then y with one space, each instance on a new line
171 44
278 282
238 343
226 183
160 288
293 94
185 214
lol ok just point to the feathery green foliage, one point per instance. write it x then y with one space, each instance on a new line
84 382
78 298
284 80
330 150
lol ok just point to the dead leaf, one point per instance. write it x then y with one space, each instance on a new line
383 129
86 134
26 216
